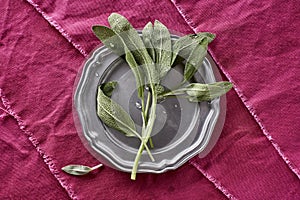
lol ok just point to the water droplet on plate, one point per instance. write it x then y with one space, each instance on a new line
164 112
111 44
175 105
138 105
147 88
96 74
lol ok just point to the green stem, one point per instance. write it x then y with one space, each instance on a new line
147 106
146 118
151 143
136 162
143 107
144 142
96 167
147 133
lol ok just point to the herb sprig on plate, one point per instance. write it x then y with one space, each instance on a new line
150 57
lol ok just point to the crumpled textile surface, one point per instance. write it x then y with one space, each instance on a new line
257 154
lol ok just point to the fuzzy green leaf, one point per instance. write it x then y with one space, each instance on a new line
134 43
197 55
194 61
183 47
147 38
197 92
206 92
79 170
110 39
161 41
113 115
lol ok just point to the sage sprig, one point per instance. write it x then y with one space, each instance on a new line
135 44
150 57
114 116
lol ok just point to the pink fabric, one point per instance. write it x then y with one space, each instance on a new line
38 68
264 67
21 167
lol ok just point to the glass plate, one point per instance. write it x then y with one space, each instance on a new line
182 129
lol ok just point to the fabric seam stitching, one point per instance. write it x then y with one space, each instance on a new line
46 158
213 180
58 27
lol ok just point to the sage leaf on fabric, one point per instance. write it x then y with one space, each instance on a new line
113 115
161 41
209 36
79 170
108 87
147 38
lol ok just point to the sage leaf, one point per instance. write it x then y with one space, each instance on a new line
196 57
108 87
138 74
147 38
79 170
113 115
209 36
183 47
161 41
206 92
110 39
134 43
194 61
197 92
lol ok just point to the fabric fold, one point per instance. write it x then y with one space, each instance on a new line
263 68
42 65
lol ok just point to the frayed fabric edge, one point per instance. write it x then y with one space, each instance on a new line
213 180
58 27
46 158
243 98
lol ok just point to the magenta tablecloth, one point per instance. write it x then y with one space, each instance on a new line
257 48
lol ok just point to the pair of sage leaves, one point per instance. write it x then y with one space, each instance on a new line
150 57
